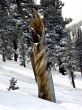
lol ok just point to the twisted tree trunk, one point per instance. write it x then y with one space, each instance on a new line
42 75
38 59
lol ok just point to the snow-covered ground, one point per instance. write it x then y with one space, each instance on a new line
25 98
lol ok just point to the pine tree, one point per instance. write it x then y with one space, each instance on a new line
21 13
6 48
70 58
79 48
23 50
55 30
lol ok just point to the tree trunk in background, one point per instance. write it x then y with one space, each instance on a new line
72 79
62 70
43 76
24 64
61 67
81 70
15 57
19 7
3 56
15 49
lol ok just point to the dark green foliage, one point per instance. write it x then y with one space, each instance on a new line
79 48
14 27
55 30
5 24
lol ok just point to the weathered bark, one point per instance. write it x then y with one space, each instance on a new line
43 76
39 63
33 66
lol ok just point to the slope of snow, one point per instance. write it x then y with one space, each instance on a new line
26 97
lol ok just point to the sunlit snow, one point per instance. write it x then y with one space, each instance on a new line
26 97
